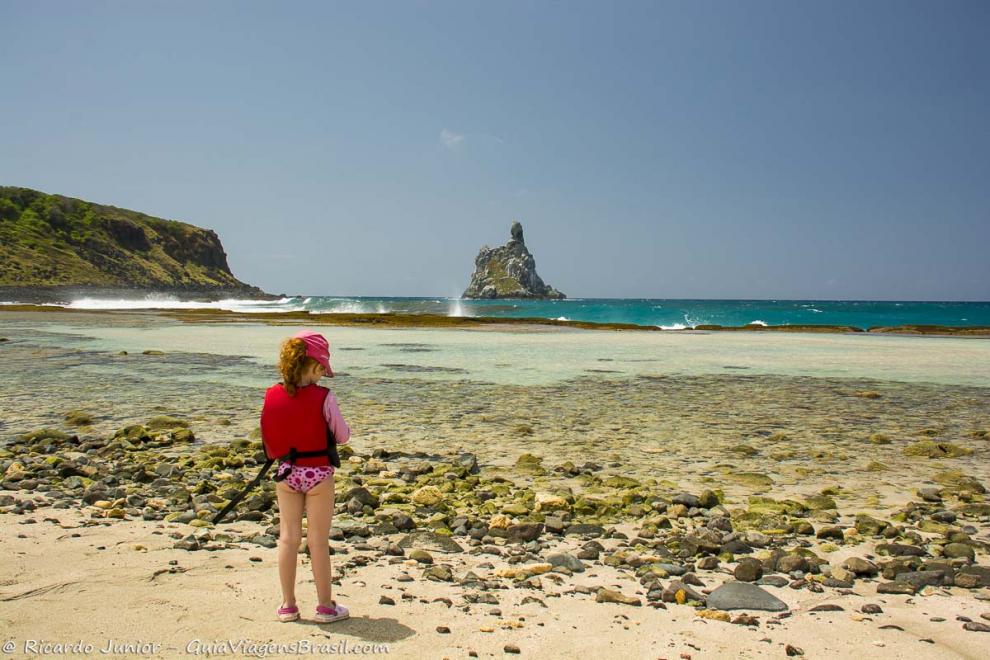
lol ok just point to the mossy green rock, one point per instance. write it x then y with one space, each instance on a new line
869 526
754 480
159 423
931 449
819 503
44 434
959 482
761 522
770 505
78 418
621 482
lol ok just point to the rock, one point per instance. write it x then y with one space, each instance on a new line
931 449
869 526
900 550
687 499
524 572
773 581
469 462
791 563
585 529
748 570
524 531
975 626
443 630
680 593
843 574
981 574
716 615
421 556
871 608
610 596
427 496
567 560
385 600
895 588
78 418
708 499
830 532
792 651
551 502
827 607
859 566
439 573
554 524
508 272
920 579
744 596
707 563
362 495
427 540
959 551
511 648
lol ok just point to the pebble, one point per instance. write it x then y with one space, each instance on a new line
611 596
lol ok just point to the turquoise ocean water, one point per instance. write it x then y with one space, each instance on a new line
671 314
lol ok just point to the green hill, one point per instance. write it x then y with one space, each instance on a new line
55 241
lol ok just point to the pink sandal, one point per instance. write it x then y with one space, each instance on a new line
330 614
286 614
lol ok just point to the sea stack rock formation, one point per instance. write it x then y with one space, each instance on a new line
508 272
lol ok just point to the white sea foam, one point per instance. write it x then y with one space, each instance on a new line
171 302
815 310
343 307
676 326
456 309
757 322
562 318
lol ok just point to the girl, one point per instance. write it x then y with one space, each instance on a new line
295 421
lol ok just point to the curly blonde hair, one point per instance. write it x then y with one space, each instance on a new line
292 362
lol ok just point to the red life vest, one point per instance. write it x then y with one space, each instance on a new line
295 422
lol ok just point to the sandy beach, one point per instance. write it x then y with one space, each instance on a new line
550 493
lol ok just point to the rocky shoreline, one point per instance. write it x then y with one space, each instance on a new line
479 531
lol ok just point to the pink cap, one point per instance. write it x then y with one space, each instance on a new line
317 347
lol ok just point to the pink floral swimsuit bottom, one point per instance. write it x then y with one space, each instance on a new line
301 478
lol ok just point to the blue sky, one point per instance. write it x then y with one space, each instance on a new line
785 149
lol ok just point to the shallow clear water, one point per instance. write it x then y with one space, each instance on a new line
644 404
655 312
542 357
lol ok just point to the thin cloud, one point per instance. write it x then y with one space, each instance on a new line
451 140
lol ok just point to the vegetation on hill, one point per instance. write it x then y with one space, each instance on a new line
51 240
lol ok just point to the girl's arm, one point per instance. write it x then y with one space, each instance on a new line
335 420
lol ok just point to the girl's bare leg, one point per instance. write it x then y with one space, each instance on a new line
290 510
319 515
